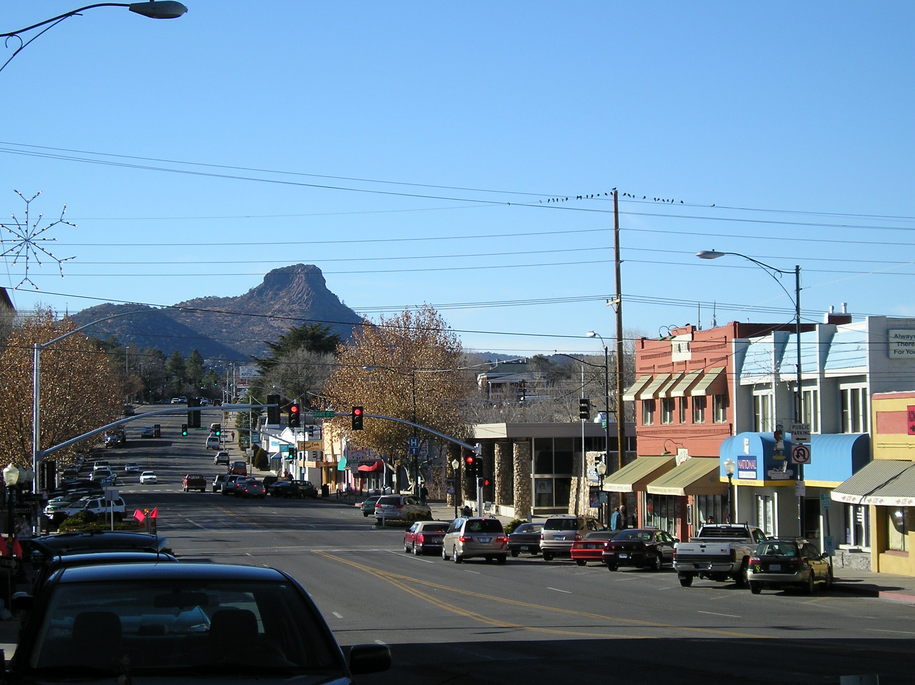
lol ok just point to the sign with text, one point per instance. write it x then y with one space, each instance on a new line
746 468
901 343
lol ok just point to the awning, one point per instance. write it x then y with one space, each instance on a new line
882 483
696 476
368 468
651 390
637 474
629 393
685 383
704 386
666 388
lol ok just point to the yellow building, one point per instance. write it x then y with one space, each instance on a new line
886 485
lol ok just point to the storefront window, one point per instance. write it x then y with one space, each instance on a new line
896 530
765 514
857 526
712 509
661 512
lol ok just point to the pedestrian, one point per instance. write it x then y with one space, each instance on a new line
617 518
423 494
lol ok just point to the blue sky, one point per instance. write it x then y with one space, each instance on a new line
412 150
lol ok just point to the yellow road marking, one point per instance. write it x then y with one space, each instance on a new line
408 583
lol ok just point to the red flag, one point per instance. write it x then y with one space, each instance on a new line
139 516
154 514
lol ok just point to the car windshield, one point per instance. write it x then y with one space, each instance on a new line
200 627
561 524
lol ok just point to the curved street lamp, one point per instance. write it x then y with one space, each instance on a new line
153 9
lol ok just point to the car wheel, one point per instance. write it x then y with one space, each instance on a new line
743 576
365 514
580 562
515 552
611 567
755 588
685 579
501 558
488 560
547 556
657 562
416 550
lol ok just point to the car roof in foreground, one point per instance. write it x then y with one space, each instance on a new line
72 543
170 571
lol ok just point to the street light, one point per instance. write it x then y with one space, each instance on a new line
153 9
729 471
796 300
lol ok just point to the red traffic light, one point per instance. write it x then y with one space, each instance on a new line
468 460
294 409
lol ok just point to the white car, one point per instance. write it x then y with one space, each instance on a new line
148 477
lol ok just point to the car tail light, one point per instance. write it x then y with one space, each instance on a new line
754 561
420 538
465 538
502 538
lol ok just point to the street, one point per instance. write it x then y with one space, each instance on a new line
527 620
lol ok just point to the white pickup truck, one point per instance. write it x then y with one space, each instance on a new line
719 552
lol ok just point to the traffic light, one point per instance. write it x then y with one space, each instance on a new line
184 430
484 482
295 415
273 410
584 408
357 418
470 464
217 429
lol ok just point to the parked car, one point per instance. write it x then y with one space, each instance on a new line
251 487
401 508
96 505
148 478
590 547
43 571
475 537
525 538
221 457
206 623
194 481
559 532
640 547
788 562
57 507
219 481
368 505
292 488
178 400
424 536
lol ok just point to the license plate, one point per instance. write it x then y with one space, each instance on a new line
624 556
484 539
524 548
775 567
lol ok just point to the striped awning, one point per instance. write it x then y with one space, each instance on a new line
882 483
695 476
630 392
708 382
685 383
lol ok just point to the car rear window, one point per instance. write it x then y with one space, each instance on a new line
777 549
484 526
392 499
435 527
561 524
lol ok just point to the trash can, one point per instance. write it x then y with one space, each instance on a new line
325 490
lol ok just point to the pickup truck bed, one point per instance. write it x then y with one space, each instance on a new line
720 552
194 481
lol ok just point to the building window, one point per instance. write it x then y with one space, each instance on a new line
667 410
810 402
720 408
684 407
699 409
762 413
647 412
712 509
896 530
854 410
857 526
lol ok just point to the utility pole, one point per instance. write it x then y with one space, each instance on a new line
620 413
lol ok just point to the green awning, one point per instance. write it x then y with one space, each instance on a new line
630 392
685 383
882 483
651 390
695 476
667 388
637 474
709 378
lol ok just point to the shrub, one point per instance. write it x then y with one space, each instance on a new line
510 526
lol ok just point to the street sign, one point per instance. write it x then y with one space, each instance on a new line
312 445
323 414
800 432
800 454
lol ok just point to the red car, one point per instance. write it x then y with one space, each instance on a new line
590 547
424 536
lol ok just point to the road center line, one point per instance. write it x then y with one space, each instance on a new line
556 589
715 613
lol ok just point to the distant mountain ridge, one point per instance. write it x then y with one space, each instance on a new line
231 328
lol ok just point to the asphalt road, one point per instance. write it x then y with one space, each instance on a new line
527 621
